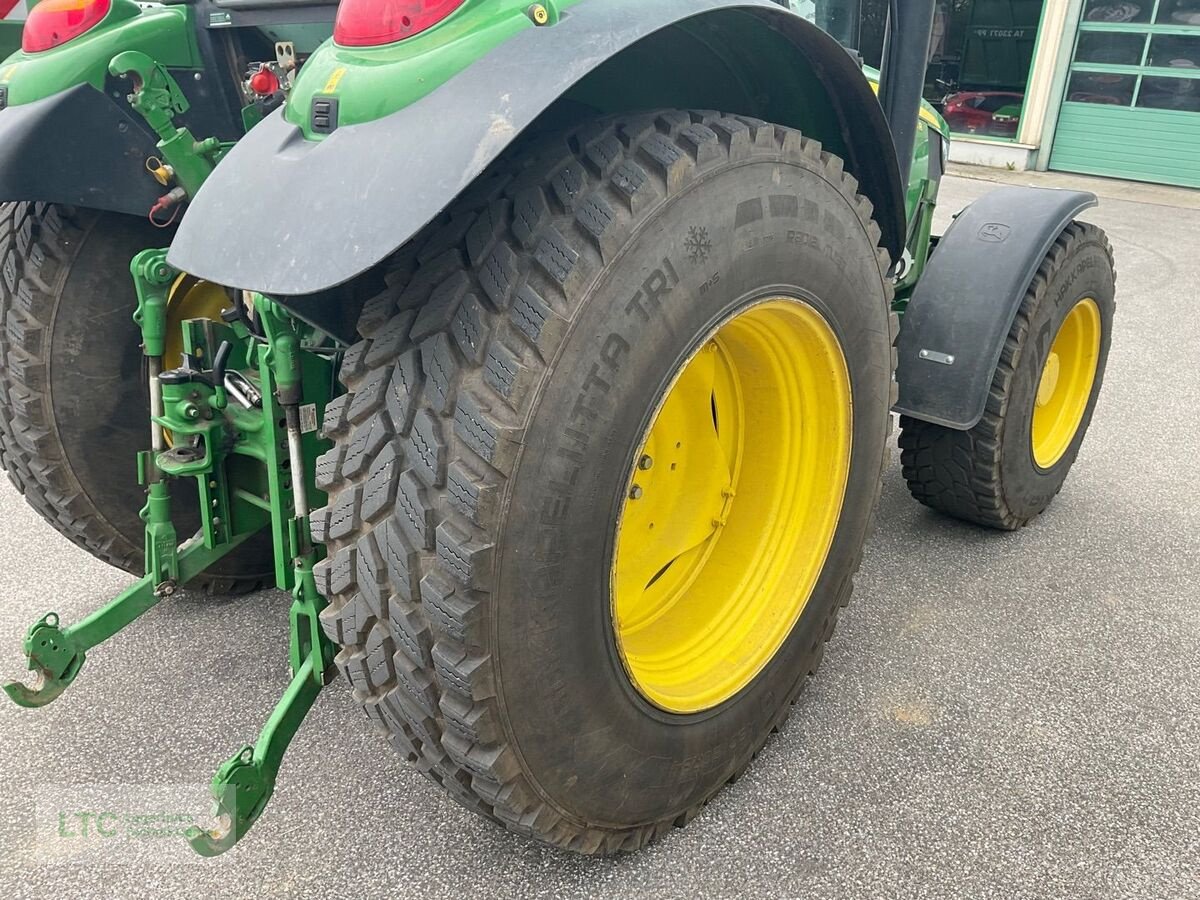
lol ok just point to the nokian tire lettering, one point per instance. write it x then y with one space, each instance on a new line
482 446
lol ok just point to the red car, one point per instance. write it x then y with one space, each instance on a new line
984 112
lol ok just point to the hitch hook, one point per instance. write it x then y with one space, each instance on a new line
55 660
245 782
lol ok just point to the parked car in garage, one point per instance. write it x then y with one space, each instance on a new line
984 112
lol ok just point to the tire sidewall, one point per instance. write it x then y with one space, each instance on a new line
587 740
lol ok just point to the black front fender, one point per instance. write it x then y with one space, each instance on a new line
78 147
960 312
288 216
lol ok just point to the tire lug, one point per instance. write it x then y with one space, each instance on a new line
635 492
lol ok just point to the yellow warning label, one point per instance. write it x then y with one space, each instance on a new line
334 80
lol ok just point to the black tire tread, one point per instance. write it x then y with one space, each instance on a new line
496 285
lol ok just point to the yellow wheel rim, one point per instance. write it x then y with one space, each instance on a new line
190 298
732 505
1066 383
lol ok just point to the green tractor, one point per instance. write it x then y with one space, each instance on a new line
550 354
84 185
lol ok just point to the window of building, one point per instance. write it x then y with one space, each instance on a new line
979 57
979 63
1138 54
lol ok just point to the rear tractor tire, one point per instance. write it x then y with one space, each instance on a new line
609 451
1006 470
73 401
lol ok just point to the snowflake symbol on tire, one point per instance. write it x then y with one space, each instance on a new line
698 245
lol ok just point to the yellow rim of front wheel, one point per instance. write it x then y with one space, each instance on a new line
1066 383
732 505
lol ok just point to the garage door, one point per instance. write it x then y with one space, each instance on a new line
1132 103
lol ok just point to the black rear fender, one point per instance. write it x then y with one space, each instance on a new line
289 216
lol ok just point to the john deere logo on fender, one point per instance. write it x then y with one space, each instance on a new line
996 232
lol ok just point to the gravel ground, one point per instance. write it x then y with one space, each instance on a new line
997 715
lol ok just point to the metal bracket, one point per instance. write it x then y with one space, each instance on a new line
244 783
157 97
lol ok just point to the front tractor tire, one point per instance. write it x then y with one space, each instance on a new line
73 397
1005 471
609 451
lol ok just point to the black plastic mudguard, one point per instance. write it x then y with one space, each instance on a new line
79 147
960 313
288 216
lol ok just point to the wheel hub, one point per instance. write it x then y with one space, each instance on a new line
1049 382
190 298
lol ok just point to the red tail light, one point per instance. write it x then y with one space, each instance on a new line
54 22
369 23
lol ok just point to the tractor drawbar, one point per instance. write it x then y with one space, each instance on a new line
237 418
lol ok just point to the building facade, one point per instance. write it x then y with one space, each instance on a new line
1102 87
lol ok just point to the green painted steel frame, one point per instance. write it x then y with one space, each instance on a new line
240 460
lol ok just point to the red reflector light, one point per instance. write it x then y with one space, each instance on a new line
370 23
52 23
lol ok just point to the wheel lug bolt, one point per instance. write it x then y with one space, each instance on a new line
635 492
645 462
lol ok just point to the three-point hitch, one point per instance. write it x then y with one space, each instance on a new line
238 419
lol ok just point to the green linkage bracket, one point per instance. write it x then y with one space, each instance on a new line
152 279
245 782
56 659
56 654
158 98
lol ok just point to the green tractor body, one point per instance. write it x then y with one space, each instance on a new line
545 354
207 55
